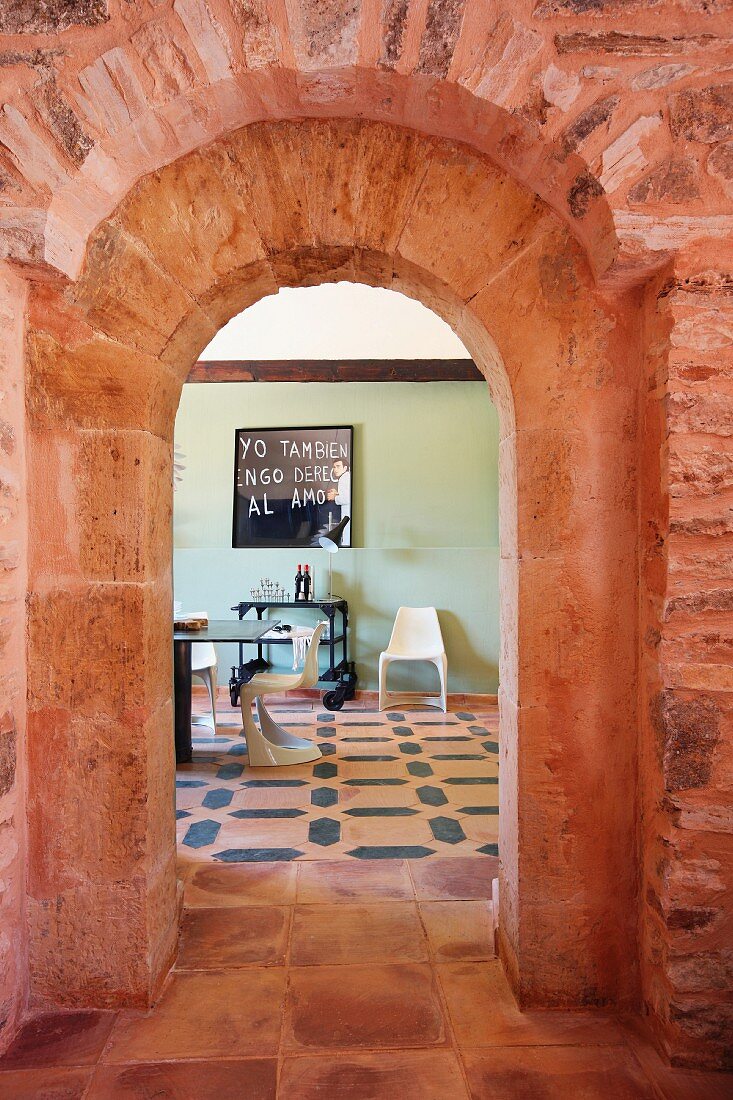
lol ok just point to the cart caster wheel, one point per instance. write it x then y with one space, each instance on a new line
234 697
333 700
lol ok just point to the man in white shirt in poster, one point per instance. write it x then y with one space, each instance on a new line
341 495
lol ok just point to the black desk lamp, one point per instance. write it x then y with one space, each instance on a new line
331 541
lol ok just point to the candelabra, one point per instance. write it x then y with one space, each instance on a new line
269 591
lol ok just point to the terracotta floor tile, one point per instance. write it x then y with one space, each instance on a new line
449 769
386 831
253 1079
240 884
448 746
481 829
332 1008
45 1084
263 833
284 798
409 1075
205 1015
370 769
335 934
221 938
673 1084
454 878
292 771
342 881
368 749
399 797
484 1013
59 1039
188 797
556 1073
459 930
305 695
478 794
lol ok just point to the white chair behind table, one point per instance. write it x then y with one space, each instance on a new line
203 665
271 745
416 636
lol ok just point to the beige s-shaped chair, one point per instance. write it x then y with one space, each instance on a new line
272 746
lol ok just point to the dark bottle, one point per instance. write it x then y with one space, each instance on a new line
307 584
298 584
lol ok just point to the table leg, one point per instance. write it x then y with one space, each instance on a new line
331 634
260 613
182 701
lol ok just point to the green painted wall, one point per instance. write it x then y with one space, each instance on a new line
425 525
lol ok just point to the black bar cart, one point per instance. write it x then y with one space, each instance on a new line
340 673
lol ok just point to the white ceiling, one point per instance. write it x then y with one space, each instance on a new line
336 321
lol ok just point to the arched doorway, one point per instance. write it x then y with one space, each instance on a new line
296 204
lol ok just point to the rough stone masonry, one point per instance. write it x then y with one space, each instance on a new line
556 177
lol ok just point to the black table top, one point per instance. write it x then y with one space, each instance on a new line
227 630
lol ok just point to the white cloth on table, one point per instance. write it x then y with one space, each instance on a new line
300 636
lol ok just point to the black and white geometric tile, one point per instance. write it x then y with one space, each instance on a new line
390 785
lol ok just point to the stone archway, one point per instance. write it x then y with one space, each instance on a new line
296 203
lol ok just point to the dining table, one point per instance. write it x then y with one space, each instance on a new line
218 630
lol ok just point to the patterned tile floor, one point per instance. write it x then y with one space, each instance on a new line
405 784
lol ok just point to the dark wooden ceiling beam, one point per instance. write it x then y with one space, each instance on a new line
335 370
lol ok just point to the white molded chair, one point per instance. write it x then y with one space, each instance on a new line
416 636
271 745
203 665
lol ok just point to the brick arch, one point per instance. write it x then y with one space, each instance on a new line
157 134
295 204
613 128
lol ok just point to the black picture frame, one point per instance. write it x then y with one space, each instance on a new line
279 520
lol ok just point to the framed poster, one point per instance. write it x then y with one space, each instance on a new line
291 485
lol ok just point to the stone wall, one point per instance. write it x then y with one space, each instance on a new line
617 115
13 581
686 655
298 203
101 900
